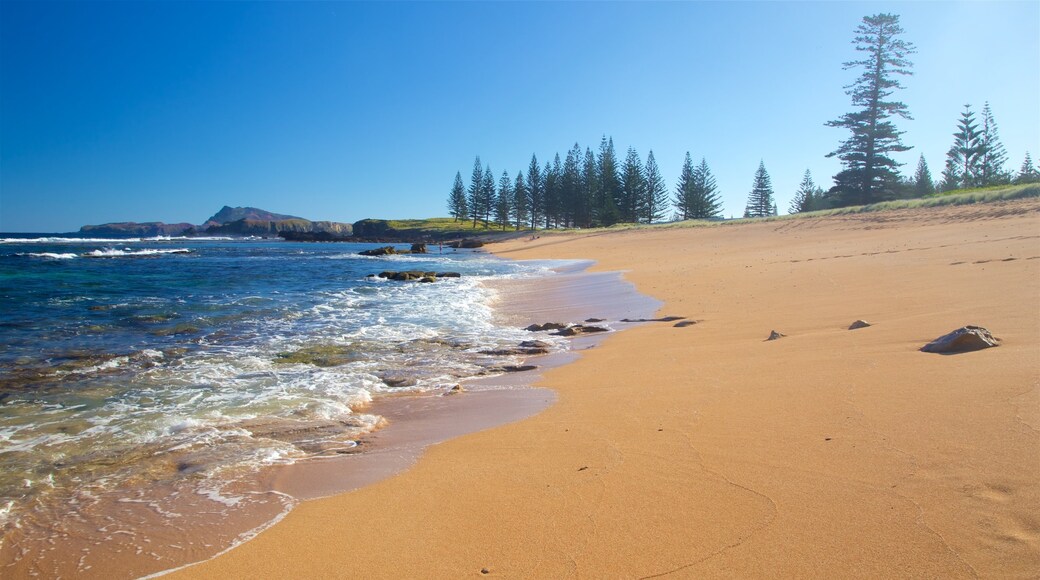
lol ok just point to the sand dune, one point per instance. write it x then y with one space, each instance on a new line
709 451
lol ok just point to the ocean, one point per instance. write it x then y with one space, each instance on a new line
144 382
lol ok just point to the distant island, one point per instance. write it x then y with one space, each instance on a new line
235 221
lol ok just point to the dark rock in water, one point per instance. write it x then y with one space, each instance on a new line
418 248
454 390
859 324
518 368
546 326
580 329
518 351
774 335
593 320
427 280
399 381
448 275
964 339
409 275
684 323
370 276
384 251
535 344
387 274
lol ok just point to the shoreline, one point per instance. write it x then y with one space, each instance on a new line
711 452
416 421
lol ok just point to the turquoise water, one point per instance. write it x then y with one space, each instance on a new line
148 363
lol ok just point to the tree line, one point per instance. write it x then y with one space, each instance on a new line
595 189
584 189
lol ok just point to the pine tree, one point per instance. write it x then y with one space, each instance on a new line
705 202
805 199
684 190
457 199
993 156
869 174
1028 172
504 200
551 191
760 201
534 192
476 190
487 196
609 184
964 159
589 187
655 200
632 192
923 184
520 201
570 186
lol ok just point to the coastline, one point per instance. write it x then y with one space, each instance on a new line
708 451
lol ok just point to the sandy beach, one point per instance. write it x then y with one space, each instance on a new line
707 451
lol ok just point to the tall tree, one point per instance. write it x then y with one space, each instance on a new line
570 186
923 184
551 191
705 202
476 191
487 196
963 160
655 200
520 201
807 196
606 211
633 188
457 199
534 192
504 201
869 173
1028 172
684 190
589 188
993 156
760 200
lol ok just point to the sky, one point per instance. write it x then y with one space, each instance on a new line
167 111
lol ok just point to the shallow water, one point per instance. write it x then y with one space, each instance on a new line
144 380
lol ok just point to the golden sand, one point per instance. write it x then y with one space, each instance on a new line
708 451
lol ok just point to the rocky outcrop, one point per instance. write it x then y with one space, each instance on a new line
577 329
229 214
546 326
964 339
468 244
135 229
417 275
268 228
384 251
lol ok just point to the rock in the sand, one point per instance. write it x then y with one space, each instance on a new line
684 323
859 324
774 335
662 319
964 339
518 368
580 329
546 326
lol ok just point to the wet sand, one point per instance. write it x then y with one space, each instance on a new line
709 451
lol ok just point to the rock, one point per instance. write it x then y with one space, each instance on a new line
454 390
387 274
370 276
519 351
546 326
427 280
663 319
409 275
964 339
384 251
448 275
580 329
399 381
518 368
535 344
774 335
593 320
684 323
859 324
418 248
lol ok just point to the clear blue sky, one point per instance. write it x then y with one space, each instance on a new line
164 111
